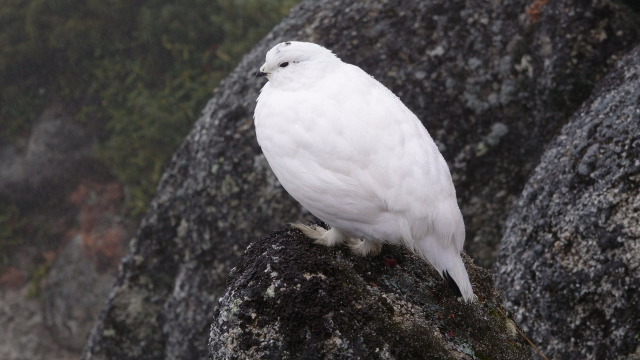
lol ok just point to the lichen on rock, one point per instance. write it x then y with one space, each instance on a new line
291 299
569 258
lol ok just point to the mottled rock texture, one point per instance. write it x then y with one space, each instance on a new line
493 81
74 291
570 259
291 299
23 335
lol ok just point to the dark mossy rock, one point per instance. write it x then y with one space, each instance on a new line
492 81
291 299
570 259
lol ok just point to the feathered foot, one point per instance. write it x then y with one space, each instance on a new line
333 237
364 247
321 235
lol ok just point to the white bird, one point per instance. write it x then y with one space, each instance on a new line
346 148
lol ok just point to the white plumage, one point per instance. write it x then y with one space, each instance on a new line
357 158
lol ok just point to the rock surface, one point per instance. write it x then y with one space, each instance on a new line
23 335
570 258
74 292
492 81
48 164
291 299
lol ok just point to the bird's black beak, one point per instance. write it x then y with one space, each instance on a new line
260 74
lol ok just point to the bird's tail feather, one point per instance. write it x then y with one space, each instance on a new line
445 258
452 283
458 279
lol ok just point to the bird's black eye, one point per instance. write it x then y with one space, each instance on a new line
284 64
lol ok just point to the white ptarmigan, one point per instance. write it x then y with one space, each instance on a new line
356 157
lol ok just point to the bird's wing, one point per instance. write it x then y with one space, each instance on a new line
408 173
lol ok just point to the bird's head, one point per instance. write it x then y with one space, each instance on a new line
291 60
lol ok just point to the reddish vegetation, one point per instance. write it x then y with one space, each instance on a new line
100 220
13 278
390 262
535 10
94 211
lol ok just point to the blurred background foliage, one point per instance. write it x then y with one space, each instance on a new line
137 72
12 231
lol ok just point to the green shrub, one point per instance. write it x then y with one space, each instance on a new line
12 231
139 72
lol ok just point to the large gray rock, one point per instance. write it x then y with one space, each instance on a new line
491 82
22 334
291 299
74 291
570 258
48 164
